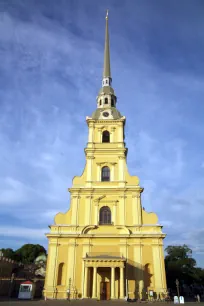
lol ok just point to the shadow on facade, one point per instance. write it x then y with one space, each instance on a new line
139 279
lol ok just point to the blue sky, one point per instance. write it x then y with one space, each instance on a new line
50 73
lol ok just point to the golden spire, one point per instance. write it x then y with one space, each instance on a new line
106 68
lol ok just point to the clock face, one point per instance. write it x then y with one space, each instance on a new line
105 114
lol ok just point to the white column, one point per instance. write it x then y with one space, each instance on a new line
85 282
112 282
122 283
94 295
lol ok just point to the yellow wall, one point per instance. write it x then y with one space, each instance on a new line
134 233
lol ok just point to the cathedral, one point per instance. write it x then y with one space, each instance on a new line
105 246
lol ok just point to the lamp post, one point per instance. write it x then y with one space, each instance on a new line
177 287
69 289
11 284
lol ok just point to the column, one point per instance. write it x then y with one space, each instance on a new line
120 132
114 213
90 139
51 275
139 275
74 206
96 217
122 283
85 282
121 167
158 267
94 295
112 282
121 209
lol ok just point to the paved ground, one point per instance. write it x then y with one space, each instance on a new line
83 303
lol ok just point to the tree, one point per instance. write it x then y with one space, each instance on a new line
28 252
8 253
179 264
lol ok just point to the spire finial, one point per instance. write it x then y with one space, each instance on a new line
106 68
107 14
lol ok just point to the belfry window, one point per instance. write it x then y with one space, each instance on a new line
105 174
112 102
106 100
100 102
106 136
105 215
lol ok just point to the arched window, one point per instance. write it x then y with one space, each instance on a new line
61 274
105 174
100 102
105 215
106 100
106 136
112 102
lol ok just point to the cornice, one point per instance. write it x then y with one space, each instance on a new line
139 235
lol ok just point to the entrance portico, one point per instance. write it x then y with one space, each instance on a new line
104 276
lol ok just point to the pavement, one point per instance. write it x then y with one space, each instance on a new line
88 302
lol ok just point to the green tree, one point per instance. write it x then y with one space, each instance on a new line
28 252
179 264
8 253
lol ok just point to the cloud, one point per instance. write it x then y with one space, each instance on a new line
22 232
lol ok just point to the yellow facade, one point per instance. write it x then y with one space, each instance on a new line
105 246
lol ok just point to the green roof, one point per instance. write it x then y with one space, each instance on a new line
106 90
115 113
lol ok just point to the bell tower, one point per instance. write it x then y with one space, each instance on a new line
105 246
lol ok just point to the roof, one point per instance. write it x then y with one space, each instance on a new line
27 283
106 90
114 112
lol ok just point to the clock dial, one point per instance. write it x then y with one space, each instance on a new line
105 114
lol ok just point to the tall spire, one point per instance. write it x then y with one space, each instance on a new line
106 68
106 97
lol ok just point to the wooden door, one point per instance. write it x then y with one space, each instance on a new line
105 291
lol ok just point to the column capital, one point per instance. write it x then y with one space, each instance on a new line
121 157
90 157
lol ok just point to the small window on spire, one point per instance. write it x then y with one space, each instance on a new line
112 102
106 81
106 100
100 102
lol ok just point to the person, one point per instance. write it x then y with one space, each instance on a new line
198 298
68 294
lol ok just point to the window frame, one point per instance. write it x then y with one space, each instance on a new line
108 136
105 216
105 178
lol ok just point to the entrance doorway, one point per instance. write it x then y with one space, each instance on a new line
105 291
